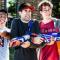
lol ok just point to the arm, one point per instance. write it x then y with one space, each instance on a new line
5 35
14 28
36 30
14 33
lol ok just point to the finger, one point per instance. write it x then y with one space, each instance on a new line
1 43
17 43
52 38
11 44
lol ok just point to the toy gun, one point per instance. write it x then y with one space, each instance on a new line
5 35
46 37
15 41
23 38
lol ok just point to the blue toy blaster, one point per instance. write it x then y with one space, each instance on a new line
47 37
23 38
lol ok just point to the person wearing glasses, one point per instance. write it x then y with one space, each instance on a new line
50 50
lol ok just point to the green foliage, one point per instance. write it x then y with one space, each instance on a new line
12 8
56 9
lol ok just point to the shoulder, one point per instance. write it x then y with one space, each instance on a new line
15 20
56 22
55 19
36 22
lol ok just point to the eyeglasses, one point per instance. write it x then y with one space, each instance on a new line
46 10
2 16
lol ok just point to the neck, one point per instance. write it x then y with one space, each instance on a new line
24 21
46 20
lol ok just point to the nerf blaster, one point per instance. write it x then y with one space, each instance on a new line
23 38
46 37
15 41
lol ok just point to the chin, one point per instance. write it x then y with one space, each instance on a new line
27 20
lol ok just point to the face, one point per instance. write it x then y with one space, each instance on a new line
25 14
46 11
3 17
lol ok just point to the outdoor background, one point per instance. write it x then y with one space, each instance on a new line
12 8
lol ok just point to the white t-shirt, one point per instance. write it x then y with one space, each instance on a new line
4 51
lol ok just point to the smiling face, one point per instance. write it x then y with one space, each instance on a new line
46 11
3 19
25 14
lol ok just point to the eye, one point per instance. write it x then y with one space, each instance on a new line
2 16
29 10
25 10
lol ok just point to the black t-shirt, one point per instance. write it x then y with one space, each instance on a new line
19 28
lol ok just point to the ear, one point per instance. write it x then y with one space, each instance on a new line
19 13
40 12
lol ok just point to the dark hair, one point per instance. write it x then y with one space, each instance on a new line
3 10
25 5
44 4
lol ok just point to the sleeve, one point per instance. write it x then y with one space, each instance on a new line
14 28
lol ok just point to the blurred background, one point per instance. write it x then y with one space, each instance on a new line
12 8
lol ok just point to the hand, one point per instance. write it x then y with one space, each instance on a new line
37 40
26 44
5 35
1 43
14 43
51 41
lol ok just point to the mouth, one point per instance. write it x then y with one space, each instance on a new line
27 16
2 22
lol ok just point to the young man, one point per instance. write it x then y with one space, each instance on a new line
4 48
21 27
48 25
